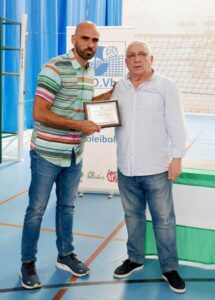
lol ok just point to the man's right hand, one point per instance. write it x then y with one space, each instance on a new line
88 127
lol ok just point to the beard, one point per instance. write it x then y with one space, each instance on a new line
86 53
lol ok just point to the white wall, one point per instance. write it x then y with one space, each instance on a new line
170 16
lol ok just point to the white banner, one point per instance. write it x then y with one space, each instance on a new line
99 162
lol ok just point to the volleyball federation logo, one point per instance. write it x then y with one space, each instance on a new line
109 61
111 51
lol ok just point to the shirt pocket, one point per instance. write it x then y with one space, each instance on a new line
151 102
69 88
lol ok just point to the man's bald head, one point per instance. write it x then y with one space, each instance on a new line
85 41
85 25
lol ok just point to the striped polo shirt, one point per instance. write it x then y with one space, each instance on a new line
66 85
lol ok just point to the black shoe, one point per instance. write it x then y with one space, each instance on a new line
126 269
28 274
176 283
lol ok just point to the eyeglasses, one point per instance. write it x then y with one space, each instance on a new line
140 54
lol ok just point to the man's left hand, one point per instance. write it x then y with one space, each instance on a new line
174 170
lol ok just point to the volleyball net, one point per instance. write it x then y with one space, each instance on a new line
190 61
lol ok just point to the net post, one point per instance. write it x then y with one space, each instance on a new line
21 103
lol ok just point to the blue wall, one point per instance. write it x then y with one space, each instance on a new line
47 21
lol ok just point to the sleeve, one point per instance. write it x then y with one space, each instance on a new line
115 93
49 82
175 121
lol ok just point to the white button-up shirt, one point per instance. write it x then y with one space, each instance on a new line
152 130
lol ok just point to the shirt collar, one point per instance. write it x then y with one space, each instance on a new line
145 82
75 63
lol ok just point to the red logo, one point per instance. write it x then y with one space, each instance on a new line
112 176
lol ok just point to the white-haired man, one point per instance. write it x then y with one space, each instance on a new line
150 146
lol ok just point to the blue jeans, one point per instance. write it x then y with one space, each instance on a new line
156 191
43 176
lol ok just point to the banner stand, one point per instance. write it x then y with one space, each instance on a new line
99 162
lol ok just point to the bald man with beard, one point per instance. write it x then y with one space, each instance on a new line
60 130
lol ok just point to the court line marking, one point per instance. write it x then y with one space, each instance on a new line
14 196
93 236
194 141
91 258
108 282
62 291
